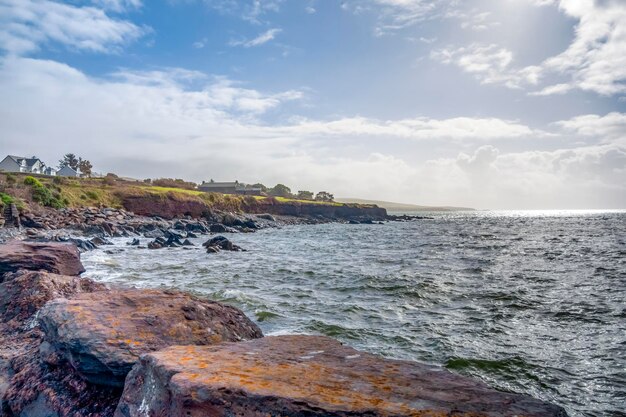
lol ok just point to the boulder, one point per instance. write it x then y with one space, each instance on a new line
220 242
29 387
22 294
103 335
58 258
217 228
306 376
266 216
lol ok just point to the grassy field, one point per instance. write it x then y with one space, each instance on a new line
110 192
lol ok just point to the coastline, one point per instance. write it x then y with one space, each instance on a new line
57 343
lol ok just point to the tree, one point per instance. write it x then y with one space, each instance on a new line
69 160
85 167
305 195
259 185
280 190
324 196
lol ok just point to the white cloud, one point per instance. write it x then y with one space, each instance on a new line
490 64
611 127
180 123
250 10
261 39
27 24
118 5
594 61
459 128
200 44
596 57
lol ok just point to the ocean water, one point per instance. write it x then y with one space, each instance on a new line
529 302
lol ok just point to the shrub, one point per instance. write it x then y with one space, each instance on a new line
32 181
5 200
58 180
43 195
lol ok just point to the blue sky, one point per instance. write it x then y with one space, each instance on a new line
484 103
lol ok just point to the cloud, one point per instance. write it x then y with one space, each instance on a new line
596 57
611 127
180 123
25 25
459 128
584 177
490 64
259 40
594 61
394 15
118 5
200 44
251 10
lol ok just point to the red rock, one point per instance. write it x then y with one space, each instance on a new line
29 387
23 294
306 376
58 258
102 335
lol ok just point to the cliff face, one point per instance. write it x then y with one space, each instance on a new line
326 211
167 206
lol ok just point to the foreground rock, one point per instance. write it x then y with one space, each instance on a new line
103 335
29 387
58 258
306 376
23 294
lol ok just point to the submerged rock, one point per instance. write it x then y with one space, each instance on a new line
58 258
103 335
306 376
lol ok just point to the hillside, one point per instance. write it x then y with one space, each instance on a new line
401 207
167 202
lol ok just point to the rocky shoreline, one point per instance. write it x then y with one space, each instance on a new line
74 347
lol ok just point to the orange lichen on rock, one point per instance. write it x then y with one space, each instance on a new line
103 335
306 375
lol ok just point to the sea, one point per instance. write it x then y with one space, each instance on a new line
530 302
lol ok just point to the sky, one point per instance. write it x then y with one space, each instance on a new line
501 104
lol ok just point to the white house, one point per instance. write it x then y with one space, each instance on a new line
13 163
67 171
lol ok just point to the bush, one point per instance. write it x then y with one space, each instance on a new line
32 181
58 180
43 195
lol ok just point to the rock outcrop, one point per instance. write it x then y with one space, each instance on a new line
58 258
103 335
29 387
23 294
218 243
306 376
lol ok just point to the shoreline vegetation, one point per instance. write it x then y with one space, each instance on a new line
70 346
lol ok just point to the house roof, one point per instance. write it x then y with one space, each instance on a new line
219 184
66 167
29 161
